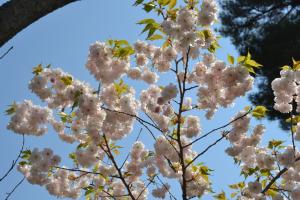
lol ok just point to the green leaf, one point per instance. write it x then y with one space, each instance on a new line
207 34
250 69
241 59
37 70
151 32
237 186
77 95
11 109
230 59
26 154
110 42
65 118
286 68
138 2
48 66
249 171
274 143
220 196
248 57
294 120
82 145
149 6
172 4
156 37
72 156
101 188
121 87
120 43
296 64
253 63
213 47
265 172
271 192
88 190
22 163
259 112
163 2
147 27
146 21
172 13
67 80
249 64
232 195
166 44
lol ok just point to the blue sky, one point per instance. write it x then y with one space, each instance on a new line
62 39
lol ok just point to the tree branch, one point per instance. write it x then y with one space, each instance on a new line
276 177
110 155
15 15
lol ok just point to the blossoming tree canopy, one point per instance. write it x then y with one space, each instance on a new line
97 119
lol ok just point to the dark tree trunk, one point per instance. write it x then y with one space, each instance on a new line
15 15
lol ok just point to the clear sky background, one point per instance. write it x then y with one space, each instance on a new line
62 39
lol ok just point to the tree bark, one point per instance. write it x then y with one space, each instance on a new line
15 15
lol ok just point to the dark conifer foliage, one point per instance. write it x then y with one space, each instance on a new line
270 30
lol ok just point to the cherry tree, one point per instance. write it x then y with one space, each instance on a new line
97 119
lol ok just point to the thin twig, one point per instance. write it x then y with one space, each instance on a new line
14 162
148 129
99 89
132 115
216 129
292 130
1 57
190 88
137 138
150 181
171 195
207 148
111 196
10 193
151 119
83 171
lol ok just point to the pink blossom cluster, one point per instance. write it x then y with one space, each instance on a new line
40 171
184 31
160 192
103 65
89 156
208 13
160 58
192 128
167 162
285 88
246 150
123 108
30 119
49 86
219 85
156 105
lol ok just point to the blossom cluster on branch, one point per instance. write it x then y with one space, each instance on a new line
96 120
